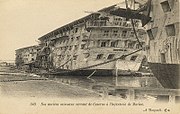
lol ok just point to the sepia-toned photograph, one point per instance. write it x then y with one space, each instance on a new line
89 56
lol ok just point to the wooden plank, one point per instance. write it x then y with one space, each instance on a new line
152 91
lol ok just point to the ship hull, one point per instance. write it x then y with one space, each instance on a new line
95 72
87 72
119 68
167 74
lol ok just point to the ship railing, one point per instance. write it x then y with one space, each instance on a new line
105 35
111 35
104 23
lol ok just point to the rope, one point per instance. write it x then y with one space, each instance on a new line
122 57
135 33
132 22
91 74
65 62
126 4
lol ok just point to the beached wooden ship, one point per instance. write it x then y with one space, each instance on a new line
91 45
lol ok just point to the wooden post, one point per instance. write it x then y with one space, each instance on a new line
105 92
116 73
172 98
131 94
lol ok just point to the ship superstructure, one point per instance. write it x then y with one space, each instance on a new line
93 40
26 57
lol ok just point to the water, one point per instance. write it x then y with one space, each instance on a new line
88 83
85 82
95 83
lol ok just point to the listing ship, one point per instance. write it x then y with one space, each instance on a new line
161 19
90 45
26 58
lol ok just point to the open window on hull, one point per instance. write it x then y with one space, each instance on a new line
134 57
152 33
163 58
166 6
170 30
111 56
99 56
103 44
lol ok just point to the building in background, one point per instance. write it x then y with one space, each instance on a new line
26 57
164 42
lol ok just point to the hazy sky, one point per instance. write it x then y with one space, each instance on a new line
22 22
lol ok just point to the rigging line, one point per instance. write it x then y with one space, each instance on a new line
132 4
132 22
110 60
135 33
134 7
96 64
126 4
65 62
91 74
